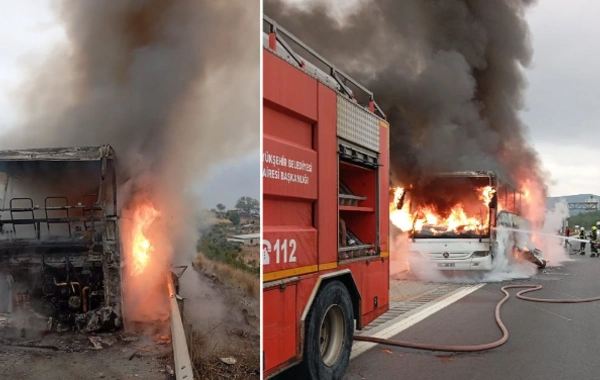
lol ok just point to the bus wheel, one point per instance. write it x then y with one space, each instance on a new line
329 331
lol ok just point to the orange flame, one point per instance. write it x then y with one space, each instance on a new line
141 247
456 221
487 193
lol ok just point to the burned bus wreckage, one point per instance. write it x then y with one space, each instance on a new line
60 260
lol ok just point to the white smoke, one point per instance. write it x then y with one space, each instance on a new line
398 254
506 265
553 249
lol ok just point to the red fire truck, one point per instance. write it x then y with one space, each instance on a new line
326 209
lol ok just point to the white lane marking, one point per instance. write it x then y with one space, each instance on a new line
548 311
395 327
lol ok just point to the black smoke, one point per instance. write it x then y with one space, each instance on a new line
156 79
448 73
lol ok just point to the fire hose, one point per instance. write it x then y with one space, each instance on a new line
479 347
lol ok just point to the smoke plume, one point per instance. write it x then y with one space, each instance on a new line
447 73
171 85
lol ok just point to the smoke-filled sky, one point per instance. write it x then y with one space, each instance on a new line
557 105
560 107
31 36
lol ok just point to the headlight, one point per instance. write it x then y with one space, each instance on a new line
481 253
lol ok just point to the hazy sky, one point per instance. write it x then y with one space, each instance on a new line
562 99
28 31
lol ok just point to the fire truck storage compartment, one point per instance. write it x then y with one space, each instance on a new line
358 133
358 215
280 331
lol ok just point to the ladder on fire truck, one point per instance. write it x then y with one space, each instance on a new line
277 34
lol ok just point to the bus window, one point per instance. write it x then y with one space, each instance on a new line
511 202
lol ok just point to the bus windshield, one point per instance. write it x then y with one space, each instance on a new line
451 207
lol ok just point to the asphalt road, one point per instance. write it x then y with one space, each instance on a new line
547 341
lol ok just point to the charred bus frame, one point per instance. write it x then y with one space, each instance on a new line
78 270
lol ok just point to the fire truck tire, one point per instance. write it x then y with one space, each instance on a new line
329 333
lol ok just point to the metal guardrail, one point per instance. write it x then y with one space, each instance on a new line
181 354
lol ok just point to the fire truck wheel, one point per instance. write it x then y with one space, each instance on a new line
329 331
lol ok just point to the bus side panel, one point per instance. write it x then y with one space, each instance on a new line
280 326
327 202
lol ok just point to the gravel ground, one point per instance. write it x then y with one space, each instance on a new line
70 356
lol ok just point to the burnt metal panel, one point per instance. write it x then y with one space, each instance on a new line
58 154
6 294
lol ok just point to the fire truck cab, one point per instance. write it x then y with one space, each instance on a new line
326 214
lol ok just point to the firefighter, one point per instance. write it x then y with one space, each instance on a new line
594 241
567 235
582 237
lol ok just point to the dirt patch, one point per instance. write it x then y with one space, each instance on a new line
71 356
226 362
222 315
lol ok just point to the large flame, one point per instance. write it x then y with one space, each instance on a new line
426 217
141 247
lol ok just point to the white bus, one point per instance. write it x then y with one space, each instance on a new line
451 220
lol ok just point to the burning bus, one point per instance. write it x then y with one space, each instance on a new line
60 260
453 221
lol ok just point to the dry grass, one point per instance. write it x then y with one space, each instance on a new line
250 253
211 367
233 277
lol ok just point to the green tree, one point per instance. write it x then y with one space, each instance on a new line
584 219
235 218
248 206
214 245
221 207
